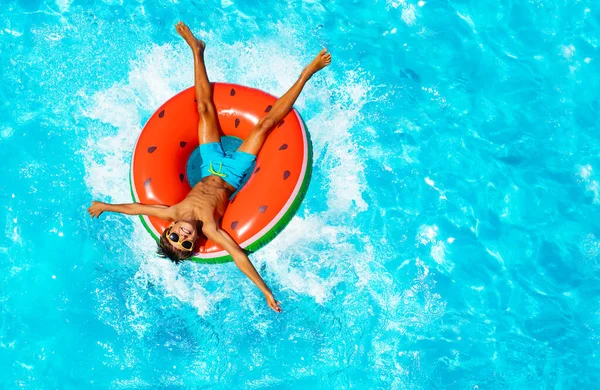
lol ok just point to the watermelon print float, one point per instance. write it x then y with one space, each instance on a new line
271 196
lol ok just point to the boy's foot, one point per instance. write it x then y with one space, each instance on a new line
197 45
321 60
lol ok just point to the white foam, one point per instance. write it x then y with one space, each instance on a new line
64 5
409 14
295 257
6 132
396 3
585 173
330 128
438 252
428 235
13 32
567 51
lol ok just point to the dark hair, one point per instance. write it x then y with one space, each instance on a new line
167 250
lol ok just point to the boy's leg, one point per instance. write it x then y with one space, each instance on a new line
282 106
208 130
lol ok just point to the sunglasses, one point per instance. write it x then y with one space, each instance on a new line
185 244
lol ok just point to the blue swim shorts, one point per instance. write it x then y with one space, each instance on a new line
229 168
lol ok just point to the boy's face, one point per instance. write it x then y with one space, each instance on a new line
185 230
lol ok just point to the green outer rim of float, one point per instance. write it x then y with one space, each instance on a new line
268 236
135 200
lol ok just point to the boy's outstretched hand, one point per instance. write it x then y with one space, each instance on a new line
96 209
273 304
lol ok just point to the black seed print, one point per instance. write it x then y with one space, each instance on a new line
286 174
161 114
232 92
181 177
280 124
257 169
151 149
268 108
237 122
262 209
283 147
182 144
195 101
147 183
234 224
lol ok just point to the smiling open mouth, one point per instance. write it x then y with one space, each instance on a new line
186 231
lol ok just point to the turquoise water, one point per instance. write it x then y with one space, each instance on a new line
449 238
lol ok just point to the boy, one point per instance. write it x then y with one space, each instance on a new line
204 206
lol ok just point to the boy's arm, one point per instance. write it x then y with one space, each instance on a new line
213 232
160 211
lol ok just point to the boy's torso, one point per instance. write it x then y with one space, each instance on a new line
207 200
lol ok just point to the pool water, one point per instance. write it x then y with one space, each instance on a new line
449 238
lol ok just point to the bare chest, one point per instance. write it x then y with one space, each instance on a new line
206 201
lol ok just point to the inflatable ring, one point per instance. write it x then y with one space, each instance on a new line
270 197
